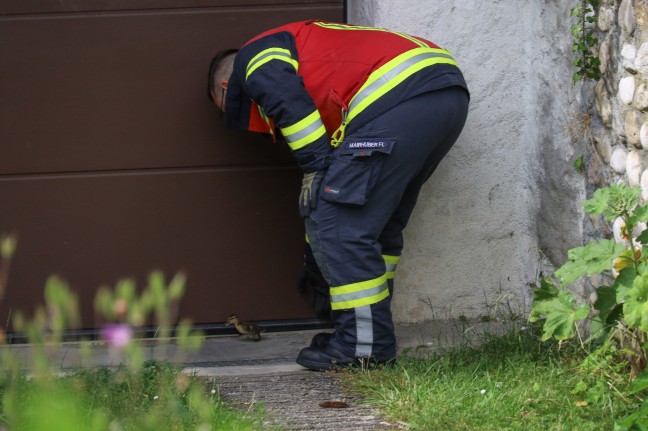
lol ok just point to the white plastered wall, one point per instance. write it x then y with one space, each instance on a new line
507 190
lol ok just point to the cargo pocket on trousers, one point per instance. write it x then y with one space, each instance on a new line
354 170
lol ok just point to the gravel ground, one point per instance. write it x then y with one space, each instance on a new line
293 401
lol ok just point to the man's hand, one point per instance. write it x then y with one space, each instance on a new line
308 196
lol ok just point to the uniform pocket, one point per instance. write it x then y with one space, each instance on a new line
354 170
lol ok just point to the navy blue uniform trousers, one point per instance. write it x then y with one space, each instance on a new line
364 203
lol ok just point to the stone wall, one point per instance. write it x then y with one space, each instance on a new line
507 193
620 128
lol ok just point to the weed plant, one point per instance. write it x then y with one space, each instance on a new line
139 395
157 397
513 381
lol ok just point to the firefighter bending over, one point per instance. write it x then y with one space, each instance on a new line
369 114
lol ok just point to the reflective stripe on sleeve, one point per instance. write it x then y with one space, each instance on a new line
359 294
267 55
267 120
305 131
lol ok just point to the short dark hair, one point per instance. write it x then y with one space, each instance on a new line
213 68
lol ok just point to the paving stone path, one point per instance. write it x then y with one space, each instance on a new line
292 401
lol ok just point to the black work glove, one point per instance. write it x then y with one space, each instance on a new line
311 283
308 195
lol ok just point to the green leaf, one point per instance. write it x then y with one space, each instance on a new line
625 260
546 292
579 164
613 201
177 286
640 383
580 387
610 311
125 289
606 301
561 316
598 330
643 237
597 256
635 307
624 282
637 421
7 246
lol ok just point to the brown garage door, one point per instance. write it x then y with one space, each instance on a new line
113 163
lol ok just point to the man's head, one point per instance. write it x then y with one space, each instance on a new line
220 70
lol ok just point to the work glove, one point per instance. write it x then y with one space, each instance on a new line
308 195
311 283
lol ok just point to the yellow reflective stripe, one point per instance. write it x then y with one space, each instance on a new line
391 263
267 55
393 260
266 119
356 287
395 75
361 27
305 131
301 124
359 294
307 240
301 143
360 302
387 77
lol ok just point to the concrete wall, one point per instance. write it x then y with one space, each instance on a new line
507 190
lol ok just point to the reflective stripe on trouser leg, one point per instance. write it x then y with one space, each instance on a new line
359 294
364 332
391 263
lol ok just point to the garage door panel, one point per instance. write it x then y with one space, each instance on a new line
239 245
113 163
127 90
58 6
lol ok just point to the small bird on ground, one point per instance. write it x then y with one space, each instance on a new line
245 328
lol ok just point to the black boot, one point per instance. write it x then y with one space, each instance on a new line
330 358
327 358
321 340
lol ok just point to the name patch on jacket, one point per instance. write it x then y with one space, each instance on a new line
366 147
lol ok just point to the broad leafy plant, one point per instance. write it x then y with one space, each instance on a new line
625 264
618 316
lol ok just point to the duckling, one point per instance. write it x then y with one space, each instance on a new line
245 328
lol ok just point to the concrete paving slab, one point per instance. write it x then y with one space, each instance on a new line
296 401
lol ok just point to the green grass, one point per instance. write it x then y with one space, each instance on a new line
157 397
509 382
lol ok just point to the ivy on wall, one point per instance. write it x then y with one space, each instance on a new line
585 41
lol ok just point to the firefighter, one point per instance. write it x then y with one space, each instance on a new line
369 114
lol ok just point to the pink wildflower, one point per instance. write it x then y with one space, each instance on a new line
117 334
